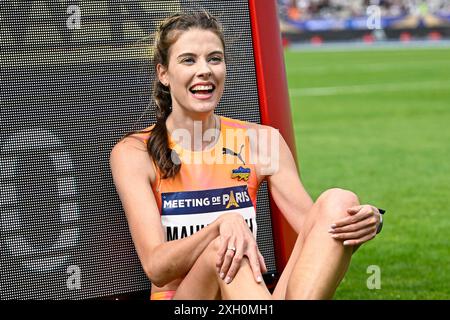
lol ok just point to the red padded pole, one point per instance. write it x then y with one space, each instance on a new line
274 103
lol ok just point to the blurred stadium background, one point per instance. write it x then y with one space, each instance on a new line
369 83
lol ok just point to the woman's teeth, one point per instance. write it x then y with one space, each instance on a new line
202 89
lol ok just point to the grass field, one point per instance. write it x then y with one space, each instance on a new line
377 122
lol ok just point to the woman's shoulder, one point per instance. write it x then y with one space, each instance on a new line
135 139
132 151
236 123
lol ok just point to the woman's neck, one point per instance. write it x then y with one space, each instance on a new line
193 133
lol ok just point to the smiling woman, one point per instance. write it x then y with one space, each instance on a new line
195 74
193 222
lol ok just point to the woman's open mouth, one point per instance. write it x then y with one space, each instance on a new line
202 91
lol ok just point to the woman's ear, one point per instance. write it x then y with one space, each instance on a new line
162 74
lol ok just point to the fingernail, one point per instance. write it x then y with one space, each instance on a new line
346 243
333 225
227 280
222 275
259 279
331 231
335 236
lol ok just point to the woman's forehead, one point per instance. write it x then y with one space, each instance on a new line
197 40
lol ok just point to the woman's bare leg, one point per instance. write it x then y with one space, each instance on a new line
203 281
316 266
318 262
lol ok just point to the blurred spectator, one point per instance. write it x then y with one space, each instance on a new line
323 9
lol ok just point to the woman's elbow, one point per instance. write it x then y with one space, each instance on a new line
155 276
157 281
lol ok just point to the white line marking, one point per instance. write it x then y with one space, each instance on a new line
369 88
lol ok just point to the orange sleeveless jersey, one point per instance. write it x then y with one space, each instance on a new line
218 180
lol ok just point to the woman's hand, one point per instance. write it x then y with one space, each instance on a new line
237 241
360 227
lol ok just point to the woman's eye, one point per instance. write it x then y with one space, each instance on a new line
216 59
188 60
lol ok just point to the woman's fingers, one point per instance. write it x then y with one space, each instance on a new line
361 215
235 265
358 228
229 254
262 263
255 264
354 242
227 257
221 252
255 259
354 235
234 248
355 209
368 222
233 259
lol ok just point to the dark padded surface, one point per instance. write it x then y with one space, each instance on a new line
67 96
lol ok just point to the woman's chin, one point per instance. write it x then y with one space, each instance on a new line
204 107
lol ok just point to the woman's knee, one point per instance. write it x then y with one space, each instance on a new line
335 202
215 244
211 250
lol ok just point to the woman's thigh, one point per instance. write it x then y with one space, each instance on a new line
279 292
320 212
203 281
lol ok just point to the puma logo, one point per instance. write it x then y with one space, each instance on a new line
232 153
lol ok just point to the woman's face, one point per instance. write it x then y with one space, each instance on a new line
196 71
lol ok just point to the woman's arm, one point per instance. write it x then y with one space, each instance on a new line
294 202
286 188
275 163
163 262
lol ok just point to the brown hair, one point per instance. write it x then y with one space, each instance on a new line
166 159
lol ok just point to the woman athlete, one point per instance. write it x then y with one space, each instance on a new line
188 187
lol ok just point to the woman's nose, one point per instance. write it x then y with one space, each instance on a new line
204 69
